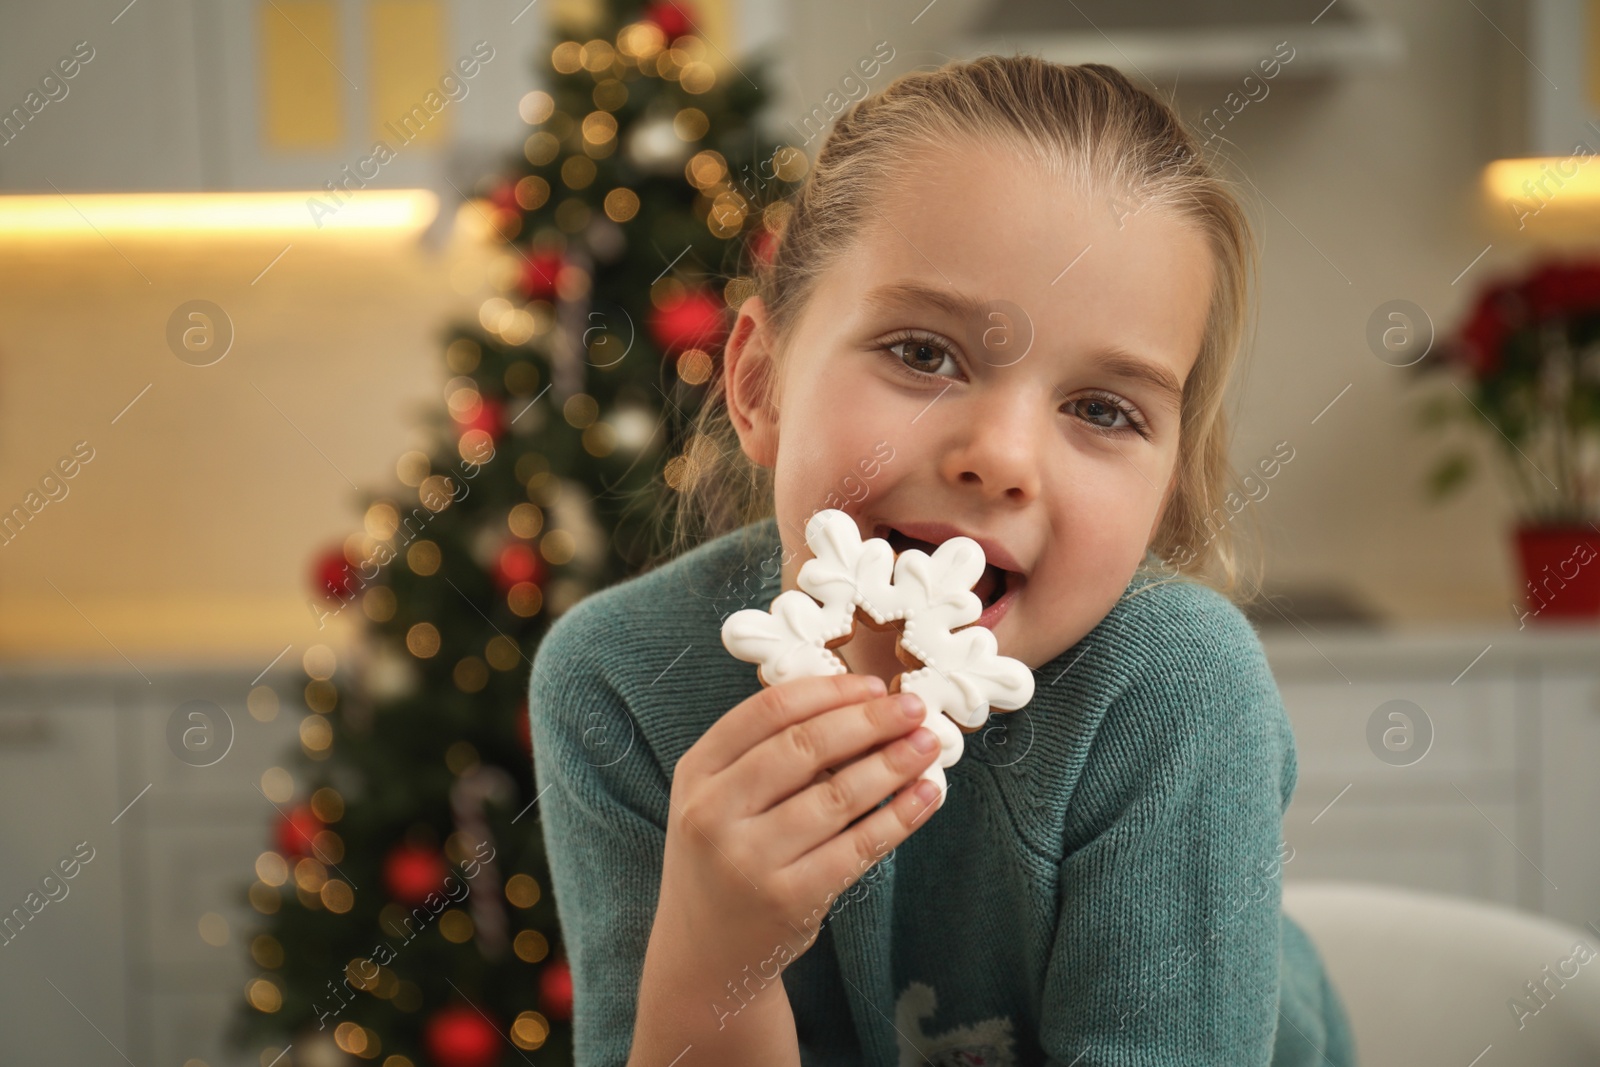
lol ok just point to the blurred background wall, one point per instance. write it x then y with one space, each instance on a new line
192 526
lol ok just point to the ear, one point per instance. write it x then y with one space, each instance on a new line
749 365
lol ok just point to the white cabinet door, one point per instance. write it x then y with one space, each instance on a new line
206 822
1413 781
1569 811
64 971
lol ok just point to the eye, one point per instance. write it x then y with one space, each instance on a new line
920 354
1109 414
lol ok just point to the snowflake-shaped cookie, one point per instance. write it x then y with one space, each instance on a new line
953 665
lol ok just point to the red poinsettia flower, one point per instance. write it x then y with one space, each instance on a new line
1563 288
1558 289
1500 311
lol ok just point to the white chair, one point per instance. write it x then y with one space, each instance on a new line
1433 980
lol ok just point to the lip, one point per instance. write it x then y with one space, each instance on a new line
940 532
995 612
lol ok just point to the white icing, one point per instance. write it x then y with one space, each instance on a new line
789 641
963 675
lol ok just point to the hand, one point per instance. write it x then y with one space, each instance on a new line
760 841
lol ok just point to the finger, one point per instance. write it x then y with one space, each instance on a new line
840 861
818 813
787 762
777 707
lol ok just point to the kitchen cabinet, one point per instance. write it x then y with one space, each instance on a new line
117 967
1501 805
257 95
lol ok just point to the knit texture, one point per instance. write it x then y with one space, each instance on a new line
1101 886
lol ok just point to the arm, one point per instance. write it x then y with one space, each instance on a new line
603 799
1167 942
685 1006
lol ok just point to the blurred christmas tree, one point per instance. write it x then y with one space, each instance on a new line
406 917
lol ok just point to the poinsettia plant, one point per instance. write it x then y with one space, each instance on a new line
1529 351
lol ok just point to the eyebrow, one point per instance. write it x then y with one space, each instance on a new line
1127 365
899 294
1113 360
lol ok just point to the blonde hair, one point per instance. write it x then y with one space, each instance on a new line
1087 124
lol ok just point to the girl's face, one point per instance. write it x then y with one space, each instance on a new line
996 358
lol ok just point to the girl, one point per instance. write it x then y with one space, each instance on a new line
1005 305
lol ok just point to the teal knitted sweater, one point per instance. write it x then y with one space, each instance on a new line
1101 886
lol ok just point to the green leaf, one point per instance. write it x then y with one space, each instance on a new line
1439 409
1449 474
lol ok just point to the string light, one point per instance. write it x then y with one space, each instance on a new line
558 547
264 995
567 57
422 640
470 675
532 192
621 204
580 410
263 703
525 599
522 890
610 94
525 520
535 107
264 898
531 946
266 951
327 805
423 558
315 736
530 1030
321 697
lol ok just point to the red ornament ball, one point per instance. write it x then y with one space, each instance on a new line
694 320
458 1036
412 872
489 417
504 196
333 576
674 17
555 990
541 273
297 831
517 562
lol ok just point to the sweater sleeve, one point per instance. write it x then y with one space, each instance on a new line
601 802
1166 949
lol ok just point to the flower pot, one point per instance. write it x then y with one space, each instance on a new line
1560 571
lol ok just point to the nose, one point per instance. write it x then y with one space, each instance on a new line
998 448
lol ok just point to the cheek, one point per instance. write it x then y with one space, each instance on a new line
832 440
836 423
1100 525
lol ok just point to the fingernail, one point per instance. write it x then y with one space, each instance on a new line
926 791
877 686
922 739
912 705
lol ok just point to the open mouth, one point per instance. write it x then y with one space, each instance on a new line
989 588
